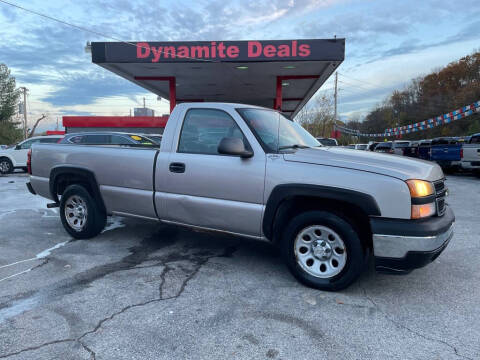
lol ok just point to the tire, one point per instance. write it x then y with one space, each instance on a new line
337 243
6 166
77 204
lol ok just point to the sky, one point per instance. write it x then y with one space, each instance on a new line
388 42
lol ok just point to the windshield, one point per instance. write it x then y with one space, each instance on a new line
275 131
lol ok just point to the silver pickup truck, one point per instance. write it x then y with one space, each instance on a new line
470 154
251 172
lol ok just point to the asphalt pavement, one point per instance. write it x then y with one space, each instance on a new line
143 290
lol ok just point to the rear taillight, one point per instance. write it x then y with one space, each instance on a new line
461 153
29 162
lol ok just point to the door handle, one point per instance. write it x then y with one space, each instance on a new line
177 167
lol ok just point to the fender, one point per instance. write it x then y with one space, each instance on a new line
287 191
81 173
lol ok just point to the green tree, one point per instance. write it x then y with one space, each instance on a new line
9 133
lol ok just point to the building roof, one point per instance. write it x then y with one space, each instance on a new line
281 74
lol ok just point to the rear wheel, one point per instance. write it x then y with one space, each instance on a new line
323 250
81 215
6 166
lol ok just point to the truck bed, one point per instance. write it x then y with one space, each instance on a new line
125 174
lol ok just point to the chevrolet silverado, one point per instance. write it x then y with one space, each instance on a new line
251 172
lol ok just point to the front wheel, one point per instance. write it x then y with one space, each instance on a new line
81 215
323 250
6 166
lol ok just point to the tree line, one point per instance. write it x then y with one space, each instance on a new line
9 94
441 91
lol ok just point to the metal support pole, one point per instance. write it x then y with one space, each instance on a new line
336 95
278 97
24 112
173 93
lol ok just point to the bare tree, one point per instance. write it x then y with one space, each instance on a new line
320 119
36 124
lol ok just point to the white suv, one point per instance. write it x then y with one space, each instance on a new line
16 156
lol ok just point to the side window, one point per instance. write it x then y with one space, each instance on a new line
203 129
96 139
77 139
121 140
49 140
28 144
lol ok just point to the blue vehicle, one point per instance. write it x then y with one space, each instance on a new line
424 149
446 152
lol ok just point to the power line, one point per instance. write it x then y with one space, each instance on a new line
63 22
363 87
93 31
363 81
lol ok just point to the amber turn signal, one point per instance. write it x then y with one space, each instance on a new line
424 210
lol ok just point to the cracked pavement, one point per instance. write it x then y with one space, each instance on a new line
143 290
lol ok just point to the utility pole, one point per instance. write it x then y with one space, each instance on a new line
24 89
336 95
144 102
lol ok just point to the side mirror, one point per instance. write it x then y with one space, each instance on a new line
18 147
233 146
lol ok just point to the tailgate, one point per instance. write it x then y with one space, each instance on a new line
446 153
471 153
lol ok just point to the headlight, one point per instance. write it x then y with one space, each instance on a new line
423 198
420 188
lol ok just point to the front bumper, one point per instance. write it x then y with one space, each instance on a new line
471 165
401 245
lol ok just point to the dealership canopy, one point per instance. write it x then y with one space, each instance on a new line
280 74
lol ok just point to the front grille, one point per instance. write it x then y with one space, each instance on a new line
439 185
440 206
440 193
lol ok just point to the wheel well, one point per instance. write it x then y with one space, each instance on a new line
293 206
6 157
63 181
59 182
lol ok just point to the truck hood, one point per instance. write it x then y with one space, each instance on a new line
401 167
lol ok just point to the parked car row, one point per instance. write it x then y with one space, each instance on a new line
15 156
451 153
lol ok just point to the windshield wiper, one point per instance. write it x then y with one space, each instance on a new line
294 146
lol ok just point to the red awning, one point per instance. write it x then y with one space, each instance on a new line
115 121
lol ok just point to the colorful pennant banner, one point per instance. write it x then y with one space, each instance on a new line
422 125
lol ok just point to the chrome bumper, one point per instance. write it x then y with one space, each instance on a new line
396 246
